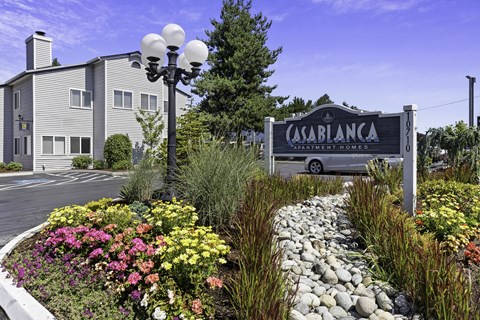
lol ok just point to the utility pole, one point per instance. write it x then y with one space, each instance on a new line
471 81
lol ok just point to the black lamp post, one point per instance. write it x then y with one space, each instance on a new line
471 111
184 68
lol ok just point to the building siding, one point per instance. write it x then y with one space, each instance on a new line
2 123
30 57
121 76
55 117
7 119
43 54
99 110
26 113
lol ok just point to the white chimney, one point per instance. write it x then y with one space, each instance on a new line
39 51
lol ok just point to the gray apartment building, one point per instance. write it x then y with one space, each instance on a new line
50 114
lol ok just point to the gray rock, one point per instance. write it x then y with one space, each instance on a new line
365 306
284 235
330 277
295 315
402 304
384 302
307 257
343 275
313 316
367 281
349 287
319 291
320 268
327 301
310 300
303 288
385 316
343 300
346 232
356 279
337 312
288 264
340 287
302 308
321 309
307 281
362 291
327 316
297 270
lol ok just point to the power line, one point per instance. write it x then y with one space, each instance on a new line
447 104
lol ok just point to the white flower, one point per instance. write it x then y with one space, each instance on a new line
159 314
171 296
154 287
144 302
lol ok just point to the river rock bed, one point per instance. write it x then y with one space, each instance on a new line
329 272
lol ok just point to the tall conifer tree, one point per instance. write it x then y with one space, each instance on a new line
234 90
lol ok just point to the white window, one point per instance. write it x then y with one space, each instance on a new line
148 102
27 145
165 106
80 99
122 99
16 100
80 145
53 145
16 146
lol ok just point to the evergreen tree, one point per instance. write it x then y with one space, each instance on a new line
325 99
55 62
234 90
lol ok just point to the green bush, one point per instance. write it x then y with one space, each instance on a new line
141 182
3 166
98 164
14 166
81 162
215 180
122 165
118 147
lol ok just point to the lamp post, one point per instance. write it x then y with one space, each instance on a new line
471 81
184 68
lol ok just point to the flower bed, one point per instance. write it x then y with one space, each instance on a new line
108 261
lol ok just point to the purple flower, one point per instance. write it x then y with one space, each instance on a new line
21 273
87 313
124 311
95 253
135 295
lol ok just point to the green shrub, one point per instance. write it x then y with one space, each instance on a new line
118 147
215 180
384 175
122 165
165 216
81 162
99 164
141 181
3 166
14 166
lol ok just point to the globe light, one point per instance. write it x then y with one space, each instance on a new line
153 45
196 52
173 35
184 63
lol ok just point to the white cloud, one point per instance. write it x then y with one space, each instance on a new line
377 6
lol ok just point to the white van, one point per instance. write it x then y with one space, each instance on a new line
344 163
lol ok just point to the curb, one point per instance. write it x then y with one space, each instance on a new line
17 302
16 174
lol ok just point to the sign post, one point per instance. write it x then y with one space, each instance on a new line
410 158
268 148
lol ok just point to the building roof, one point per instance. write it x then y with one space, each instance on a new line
72 66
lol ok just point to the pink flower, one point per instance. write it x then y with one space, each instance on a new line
151 278
145 267
214 282
150 250
197 306
139 245
133 278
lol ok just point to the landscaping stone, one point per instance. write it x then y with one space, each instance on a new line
322 257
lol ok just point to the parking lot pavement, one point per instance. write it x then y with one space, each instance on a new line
54 179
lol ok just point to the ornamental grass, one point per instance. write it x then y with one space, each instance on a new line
415 262
261 290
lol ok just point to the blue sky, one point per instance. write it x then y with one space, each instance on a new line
375 54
